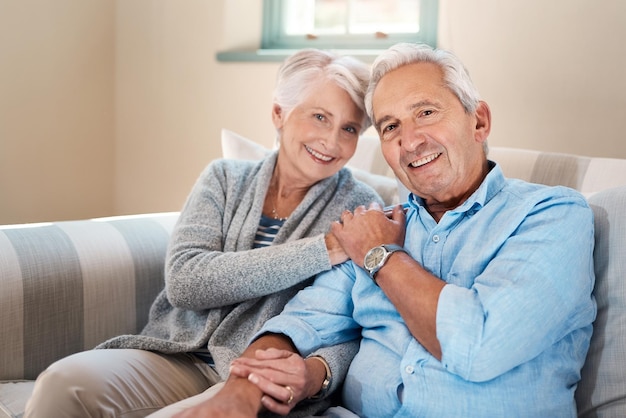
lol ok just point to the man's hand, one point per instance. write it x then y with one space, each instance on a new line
413 291
366 228
233 401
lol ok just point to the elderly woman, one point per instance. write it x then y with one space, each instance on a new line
250 235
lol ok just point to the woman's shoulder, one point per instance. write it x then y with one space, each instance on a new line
356 189
231 165
229 169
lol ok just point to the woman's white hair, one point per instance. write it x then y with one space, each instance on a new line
299 72
456 77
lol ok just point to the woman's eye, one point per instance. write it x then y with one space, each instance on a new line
350 129
319 116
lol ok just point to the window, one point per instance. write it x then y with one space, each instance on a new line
347 24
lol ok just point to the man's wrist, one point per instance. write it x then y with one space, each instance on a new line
244 390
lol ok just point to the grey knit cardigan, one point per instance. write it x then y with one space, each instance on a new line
218 290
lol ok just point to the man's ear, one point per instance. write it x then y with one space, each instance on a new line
277 116
483 121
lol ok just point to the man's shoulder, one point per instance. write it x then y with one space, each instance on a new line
526 190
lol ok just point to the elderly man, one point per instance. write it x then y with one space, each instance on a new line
477 302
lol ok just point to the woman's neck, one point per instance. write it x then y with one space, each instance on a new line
283 195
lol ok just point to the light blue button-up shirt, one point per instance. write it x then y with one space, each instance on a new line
514 320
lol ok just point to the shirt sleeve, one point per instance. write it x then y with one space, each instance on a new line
321 314
532 294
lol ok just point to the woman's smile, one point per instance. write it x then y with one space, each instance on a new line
318 155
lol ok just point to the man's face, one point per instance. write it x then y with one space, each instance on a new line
433 146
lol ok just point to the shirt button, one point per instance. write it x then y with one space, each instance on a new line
435 238
409 369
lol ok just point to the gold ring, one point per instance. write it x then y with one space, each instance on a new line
290 394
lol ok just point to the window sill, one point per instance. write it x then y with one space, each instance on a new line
278 55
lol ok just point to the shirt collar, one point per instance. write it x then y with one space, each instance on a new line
491 185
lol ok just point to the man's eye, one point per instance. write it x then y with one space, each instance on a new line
350 129
427 112
389 128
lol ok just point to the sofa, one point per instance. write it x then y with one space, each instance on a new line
66 286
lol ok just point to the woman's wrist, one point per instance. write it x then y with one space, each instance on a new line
335 251
323 376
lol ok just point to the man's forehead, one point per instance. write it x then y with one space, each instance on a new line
416 82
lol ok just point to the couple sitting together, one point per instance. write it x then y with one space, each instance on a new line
289 291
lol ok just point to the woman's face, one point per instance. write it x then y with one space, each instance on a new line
319 135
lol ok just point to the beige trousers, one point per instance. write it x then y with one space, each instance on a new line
120 383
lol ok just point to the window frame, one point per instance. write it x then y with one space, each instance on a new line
273 36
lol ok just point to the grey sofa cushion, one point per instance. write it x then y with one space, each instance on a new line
13 397
602 390
68 286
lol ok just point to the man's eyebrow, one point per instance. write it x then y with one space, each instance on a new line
413 106
381 121
422 103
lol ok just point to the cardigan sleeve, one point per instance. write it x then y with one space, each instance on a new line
205 271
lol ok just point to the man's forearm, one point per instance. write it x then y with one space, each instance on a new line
265 341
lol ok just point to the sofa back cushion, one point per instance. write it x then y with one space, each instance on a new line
67 286
602 390
586 174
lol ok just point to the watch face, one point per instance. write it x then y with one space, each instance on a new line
374 257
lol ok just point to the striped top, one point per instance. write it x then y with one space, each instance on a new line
265 234
268 228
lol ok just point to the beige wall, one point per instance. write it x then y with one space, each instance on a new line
115 107
173 97
56 109
552 71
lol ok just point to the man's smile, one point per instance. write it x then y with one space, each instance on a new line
424 160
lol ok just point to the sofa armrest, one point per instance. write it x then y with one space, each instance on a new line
67 286
602 389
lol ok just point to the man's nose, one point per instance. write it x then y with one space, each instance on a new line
411 137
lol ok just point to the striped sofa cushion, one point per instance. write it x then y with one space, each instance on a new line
67 286
586 174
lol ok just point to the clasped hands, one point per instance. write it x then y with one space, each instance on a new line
283 376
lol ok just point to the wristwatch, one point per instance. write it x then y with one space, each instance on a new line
376 258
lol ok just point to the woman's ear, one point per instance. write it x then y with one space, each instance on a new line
483 121
277 116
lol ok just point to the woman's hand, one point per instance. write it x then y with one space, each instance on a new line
284 377
335 250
